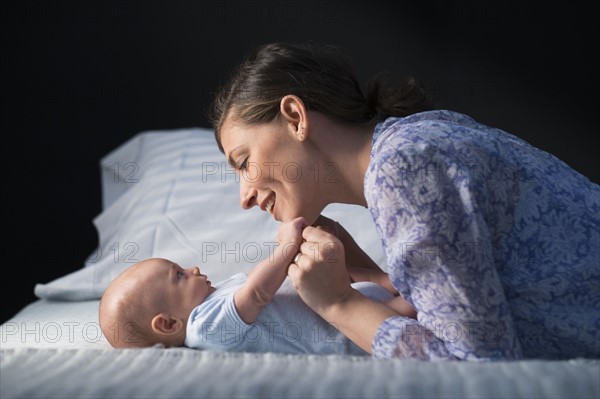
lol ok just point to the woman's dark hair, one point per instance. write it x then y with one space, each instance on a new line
322 76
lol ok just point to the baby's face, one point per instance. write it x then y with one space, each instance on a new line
184 289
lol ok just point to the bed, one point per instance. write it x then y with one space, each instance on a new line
170 193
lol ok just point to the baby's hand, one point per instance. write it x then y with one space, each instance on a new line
289 235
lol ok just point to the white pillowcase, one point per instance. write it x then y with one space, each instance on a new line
171 194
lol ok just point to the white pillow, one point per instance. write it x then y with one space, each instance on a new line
171 194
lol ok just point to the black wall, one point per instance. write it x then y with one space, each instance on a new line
80 78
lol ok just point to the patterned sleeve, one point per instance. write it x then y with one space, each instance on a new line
438 247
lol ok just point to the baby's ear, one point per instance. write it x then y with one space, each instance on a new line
166 324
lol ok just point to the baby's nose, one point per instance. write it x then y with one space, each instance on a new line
196 271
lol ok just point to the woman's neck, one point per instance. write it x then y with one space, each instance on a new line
348 148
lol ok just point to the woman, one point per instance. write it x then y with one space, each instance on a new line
495 243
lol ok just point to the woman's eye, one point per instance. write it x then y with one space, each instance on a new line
244 164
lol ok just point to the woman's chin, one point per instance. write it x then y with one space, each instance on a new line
283 217
310 217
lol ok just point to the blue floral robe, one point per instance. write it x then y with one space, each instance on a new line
496 243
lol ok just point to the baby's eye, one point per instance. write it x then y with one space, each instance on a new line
179 274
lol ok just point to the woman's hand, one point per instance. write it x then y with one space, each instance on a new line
331 226
319 271
319 275
356 257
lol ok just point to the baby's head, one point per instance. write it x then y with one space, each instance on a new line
150 302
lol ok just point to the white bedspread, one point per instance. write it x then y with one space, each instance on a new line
183 373
52 350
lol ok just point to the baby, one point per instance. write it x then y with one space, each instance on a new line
156 301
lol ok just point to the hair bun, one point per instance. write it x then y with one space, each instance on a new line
388 96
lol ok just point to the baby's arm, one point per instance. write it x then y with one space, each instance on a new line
266 277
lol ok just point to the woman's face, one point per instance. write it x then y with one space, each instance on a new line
278 172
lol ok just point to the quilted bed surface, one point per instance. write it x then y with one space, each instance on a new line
178 373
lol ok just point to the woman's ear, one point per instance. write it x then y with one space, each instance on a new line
295 116
165 324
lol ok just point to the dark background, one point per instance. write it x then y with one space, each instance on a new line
80 78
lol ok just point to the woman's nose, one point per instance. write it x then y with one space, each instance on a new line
247 195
